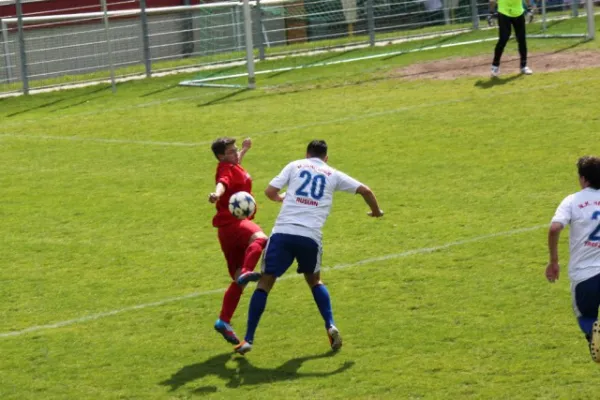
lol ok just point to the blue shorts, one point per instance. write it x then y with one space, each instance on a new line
282 249
586 297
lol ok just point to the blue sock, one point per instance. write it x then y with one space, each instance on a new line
323 301
257 306
586 324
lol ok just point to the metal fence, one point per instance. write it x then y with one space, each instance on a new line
46 50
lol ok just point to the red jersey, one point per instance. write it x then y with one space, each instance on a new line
236 179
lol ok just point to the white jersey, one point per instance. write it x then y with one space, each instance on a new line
310 185
581 210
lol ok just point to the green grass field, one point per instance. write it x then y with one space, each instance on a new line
112 275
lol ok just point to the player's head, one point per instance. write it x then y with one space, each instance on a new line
225 150
318 149
588 168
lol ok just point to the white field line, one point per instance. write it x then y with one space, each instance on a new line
356 117
100 140
424 250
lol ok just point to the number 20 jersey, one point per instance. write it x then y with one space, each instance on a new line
310 185
581 211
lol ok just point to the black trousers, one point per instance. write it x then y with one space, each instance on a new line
504 27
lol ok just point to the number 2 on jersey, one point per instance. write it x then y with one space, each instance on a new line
595 235
317 185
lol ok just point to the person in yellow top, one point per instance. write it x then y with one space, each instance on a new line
511 13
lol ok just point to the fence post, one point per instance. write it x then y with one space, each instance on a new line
22 50
2 51
7 59
446 8
109 46
258 28
145 38
249 44
475 14
589 6
371 22
187 31
544 16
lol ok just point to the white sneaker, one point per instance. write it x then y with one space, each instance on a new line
335 339
495 71
243 347
526 71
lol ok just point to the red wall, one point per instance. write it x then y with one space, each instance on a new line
51 7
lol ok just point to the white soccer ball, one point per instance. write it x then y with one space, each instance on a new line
242 205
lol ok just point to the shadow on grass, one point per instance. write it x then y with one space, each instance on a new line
491 82
157 91
288 89
244 373
61 100
224 97
567 48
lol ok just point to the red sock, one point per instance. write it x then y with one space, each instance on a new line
253 253
230 301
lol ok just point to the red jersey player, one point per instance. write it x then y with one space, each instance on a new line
242 241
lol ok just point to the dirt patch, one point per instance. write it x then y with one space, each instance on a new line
452 68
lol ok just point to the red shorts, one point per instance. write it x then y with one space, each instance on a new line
234 239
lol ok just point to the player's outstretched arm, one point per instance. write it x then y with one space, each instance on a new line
246 145
553 269
371 200
273 194
219 190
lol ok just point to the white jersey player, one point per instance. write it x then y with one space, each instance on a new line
297 232
307 203
581 211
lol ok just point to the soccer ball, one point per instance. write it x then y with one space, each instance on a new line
242 205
